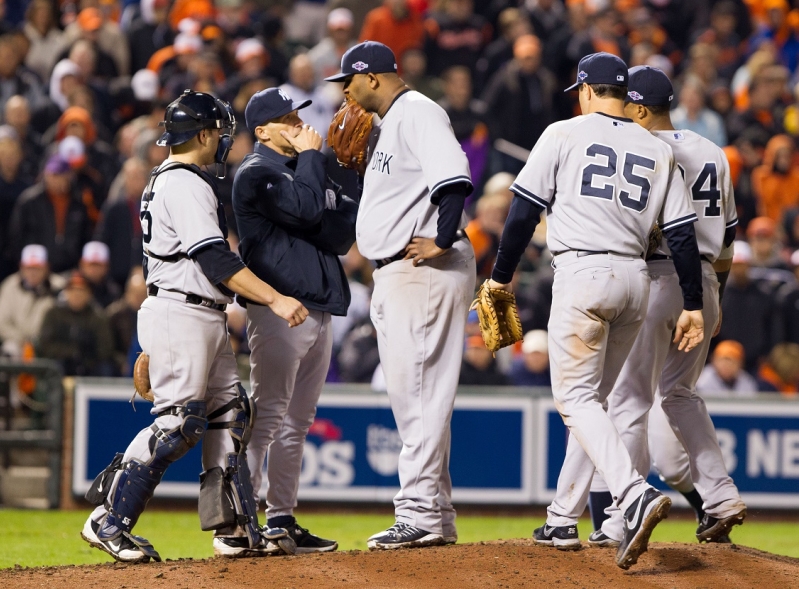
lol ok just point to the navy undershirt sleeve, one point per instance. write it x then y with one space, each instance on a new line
685 255
729 236
217 262
522 220
450 209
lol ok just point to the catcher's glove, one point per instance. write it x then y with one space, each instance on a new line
348 135
141 377
655 239
499 318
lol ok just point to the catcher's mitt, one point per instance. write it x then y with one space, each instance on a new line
655 239
141 377
348 135
499 318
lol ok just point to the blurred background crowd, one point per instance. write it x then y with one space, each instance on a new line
84 83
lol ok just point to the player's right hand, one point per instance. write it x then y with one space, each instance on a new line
690 330
289 309
306 139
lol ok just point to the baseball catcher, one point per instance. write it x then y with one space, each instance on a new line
499 318
348 135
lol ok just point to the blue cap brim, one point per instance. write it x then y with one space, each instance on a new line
573 87
298 105
338 77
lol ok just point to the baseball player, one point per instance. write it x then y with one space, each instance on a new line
654 361
604 183
191 274
293 224
410 222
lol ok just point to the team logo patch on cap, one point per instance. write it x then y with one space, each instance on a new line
582 76
283 95
619 78
634 95
671 97
360 66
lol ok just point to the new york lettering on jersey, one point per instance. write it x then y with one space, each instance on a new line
604 182
706 173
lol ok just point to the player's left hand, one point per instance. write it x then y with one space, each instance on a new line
421 249
690 330
499 285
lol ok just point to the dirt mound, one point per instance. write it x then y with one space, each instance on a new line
511 564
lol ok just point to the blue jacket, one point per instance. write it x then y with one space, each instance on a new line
287 236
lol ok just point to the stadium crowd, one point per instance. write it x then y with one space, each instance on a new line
83 85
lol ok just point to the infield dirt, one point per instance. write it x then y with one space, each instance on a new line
511 564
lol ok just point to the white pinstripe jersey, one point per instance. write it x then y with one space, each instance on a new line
413 153
181 217
707 175
604 181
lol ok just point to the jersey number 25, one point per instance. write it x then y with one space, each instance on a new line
607 191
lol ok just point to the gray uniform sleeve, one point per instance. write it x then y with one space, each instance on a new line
430 138
677 208
728 196
536 181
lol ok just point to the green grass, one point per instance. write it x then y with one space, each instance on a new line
38 538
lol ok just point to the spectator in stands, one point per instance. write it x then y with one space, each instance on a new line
725 374
94 25
692 114
148 33
749 309
765 247
512 24
546 17
645 29
85 33
66 77
93 266
779 32
302 86
466 117
723 35
532 368
13 182
122 319
14 78
519 103
120 227
52 214
455 36
479 367
780 372
485 230
603 34
788 302
46 39
775 183
326 55
76 335
760 113
17 114
394 24
414 74
100 165
25 298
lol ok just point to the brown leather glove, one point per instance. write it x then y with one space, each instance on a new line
499 318
141 377
348 135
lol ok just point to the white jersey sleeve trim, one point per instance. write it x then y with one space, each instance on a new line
692 218
449 181
526 194
732 223
204 242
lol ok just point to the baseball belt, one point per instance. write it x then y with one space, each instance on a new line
191 299
656 257
459 234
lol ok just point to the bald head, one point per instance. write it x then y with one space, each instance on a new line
301 72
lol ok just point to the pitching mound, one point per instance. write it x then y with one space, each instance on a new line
512 563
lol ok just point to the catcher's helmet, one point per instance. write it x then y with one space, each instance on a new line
191 113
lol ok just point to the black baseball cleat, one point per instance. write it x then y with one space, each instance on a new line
599 539
560 537
712 529
239 547
307 542
124 548
401 535
639 520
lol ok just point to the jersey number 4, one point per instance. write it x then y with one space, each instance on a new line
708 176
607 191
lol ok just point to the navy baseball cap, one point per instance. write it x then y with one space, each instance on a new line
369 57
649 86
600 68
269 104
